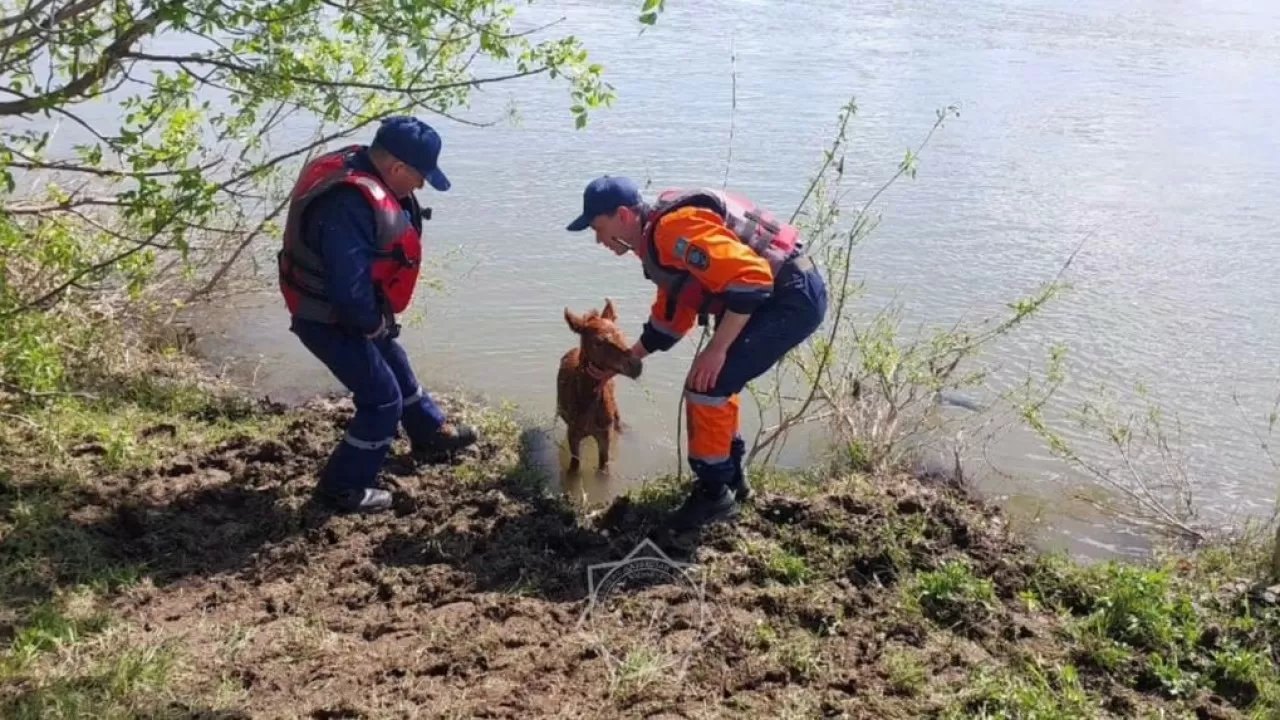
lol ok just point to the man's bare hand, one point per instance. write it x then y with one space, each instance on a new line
706 370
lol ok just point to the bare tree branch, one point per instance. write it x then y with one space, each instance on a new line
851 237
27 15
108 60
103 172
63 206
322 82
71 12
226 266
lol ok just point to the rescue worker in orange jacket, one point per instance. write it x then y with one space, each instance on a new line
348 264
712 253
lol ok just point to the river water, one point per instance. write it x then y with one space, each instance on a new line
1146 126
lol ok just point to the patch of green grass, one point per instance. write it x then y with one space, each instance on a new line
48 628
1246 677
499 425
952 596
640 668
794 483
100 679
67 659
905 671
1136 606
1139 607
662 494
1030 691
1169 676
1055 581
779 565
503 443
833 544
1103 653
1176 629
800 655
133 426
1246 553
41 551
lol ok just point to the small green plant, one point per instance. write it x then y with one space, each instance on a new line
1172 678
640 668
1136 606
780 565
1059 583
952 596
763 636
1102 652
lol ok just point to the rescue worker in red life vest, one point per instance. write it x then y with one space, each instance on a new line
711 253
352 245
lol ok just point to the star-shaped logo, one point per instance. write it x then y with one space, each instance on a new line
675 626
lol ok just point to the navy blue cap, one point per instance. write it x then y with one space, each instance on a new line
604 195
415 143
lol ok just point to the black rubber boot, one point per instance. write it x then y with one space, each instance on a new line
707 503
740 486
448 439
356 500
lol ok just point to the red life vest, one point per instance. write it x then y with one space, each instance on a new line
398 251
757 228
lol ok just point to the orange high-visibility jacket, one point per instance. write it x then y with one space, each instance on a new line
723 273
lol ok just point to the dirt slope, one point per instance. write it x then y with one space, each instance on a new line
472 598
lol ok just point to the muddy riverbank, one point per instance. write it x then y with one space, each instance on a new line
195 578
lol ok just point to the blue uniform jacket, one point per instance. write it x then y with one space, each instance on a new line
340 226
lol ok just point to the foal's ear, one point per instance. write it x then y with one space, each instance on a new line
575 321
609 313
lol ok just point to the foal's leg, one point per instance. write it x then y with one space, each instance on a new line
575 446
602 438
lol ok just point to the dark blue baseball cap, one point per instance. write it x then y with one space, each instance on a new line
604 195
415 143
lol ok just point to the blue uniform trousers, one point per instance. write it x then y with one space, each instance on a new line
794 311
386 395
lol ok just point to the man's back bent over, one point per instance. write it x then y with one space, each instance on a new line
712 253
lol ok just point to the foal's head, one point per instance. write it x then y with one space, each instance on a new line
603 344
